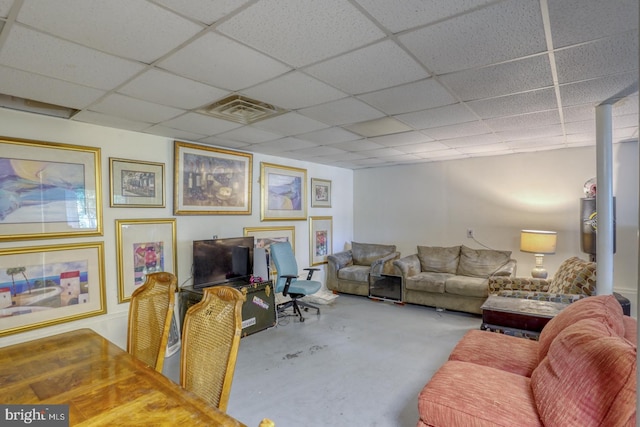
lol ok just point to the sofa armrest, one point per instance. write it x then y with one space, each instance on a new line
508 269
384 265
407 266
340 259
504 283
542 296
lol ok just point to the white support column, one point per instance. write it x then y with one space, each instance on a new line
604 199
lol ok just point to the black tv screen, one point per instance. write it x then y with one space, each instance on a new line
222 260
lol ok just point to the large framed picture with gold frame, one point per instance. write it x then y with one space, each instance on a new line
283 193
211 181
143 246
49 190
46 285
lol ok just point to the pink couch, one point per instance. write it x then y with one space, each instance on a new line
582 372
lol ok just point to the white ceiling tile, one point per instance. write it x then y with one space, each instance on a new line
521 103
378 127
199 123
613 55
433 117
287 144
421 95
423 147
502 79
135 109
486 139
628 105
358 145
503 31
524 121
576 21
490 148
205 11
290 124
533 133
173 133
251 135
627 120
110 121
36 52
457 131
323 150
598 90
44 89
223 63
441 153
301 32
536 143
374 67
404 138
401 15
134 29
284 91
5 7
219 142
168 89
329 136
341 112
581 127
382 152
579 113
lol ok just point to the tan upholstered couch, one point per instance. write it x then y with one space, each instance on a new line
350 271
455 278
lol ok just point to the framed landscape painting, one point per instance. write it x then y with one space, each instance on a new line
211 181
47 285
320 239
49 190
283 193
136 184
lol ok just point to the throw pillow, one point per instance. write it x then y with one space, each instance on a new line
481 262
587 379
367 253
574 276
439 260
602 308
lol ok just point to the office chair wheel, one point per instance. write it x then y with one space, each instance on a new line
306 309
301 319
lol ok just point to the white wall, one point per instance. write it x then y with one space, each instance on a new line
435 203
133 145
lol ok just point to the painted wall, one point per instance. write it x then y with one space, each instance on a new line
133 145
435 203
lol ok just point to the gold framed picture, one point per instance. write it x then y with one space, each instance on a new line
283 193
320 193
320 239
137 184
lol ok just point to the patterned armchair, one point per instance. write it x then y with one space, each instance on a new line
575 279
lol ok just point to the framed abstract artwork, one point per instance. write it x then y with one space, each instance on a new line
49 190
265 236
143 246
283 193
136 184
211 181
320 193
320 239
47 285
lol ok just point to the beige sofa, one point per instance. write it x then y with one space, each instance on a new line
454 278
350 271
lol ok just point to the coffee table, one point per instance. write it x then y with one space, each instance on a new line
517 316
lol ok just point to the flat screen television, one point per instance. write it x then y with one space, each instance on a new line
219 261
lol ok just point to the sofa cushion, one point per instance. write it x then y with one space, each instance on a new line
481 262
367 253
439 260
587 379
354 273
574 276
491 349
467 286
602 308
427 282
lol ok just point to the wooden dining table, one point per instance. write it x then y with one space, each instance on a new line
101 383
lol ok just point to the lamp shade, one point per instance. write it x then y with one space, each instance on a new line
538 242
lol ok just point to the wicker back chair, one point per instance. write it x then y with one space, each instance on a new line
210 342
150 315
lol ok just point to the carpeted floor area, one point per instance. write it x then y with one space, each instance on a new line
361 363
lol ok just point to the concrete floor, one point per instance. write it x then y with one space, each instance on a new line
361 363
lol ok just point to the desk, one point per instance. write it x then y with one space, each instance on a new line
101 383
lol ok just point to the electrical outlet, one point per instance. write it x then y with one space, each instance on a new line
469 233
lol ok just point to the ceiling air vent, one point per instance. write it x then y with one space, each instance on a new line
240 109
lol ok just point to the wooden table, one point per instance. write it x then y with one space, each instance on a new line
101 383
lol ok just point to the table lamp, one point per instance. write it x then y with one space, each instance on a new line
539 243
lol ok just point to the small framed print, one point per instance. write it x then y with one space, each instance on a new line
320 193
283 193
136 184
320 239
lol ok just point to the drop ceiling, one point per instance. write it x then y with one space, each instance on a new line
363 83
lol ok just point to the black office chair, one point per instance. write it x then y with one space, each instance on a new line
287 281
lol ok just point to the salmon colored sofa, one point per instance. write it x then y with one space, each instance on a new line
581 372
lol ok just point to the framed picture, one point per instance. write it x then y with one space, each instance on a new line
47 285
283 193
265 236
49 190
320 193
211 181
143 246
320 239
136 184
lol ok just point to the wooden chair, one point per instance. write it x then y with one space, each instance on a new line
150 315
210 342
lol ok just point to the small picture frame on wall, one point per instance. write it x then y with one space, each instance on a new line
320 193
320 239
136 184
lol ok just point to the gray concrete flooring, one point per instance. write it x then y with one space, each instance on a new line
360 363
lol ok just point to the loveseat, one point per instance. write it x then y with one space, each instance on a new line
455 277
351 271
581 372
